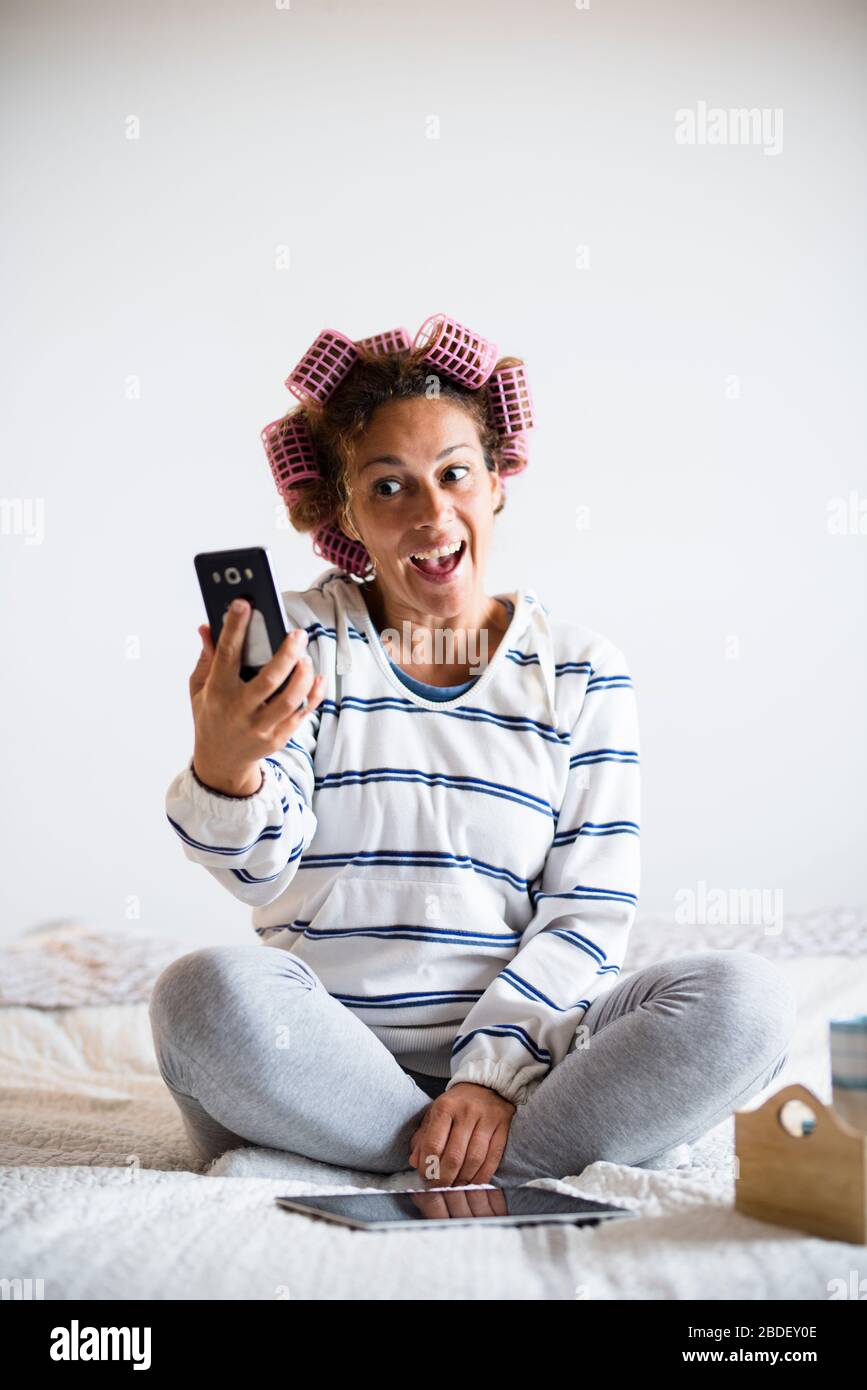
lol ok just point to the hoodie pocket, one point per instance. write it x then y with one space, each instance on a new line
408 951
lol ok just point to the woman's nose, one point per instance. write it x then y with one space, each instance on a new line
434 505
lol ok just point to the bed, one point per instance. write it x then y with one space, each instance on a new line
101 1196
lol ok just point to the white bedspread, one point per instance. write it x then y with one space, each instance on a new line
99 1196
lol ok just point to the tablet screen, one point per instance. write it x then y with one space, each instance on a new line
509 1206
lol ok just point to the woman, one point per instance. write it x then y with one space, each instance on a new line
440 839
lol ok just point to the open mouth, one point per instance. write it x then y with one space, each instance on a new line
442 567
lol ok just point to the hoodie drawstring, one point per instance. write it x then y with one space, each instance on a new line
545 650
344 642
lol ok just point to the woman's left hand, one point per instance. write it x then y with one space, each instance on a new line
462 1136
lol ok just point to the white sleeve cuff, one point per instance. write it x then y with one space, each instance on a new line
228 810
515 1086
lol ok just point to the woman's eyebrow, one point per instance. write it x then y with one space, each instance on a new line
393 459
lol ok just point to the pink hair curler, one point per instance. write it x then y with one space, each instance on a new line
290 452
513 455
393 340
347 554
323 366
457 352
510 404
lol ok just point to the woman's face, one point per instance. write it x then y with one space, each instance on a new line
419 481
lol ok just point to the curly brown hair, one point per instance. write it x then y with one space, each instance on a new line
335 426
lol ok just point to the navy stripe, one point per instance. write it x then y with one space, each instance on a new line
411 932
603 755
271 832
293 743
402 1001
622 682
457 782
246 877
531 992
582 890
317 630
504 1030
438 858
282 776
582 942
595 828
471 713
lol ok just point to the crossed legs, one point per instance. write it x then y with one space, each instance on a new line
255 1051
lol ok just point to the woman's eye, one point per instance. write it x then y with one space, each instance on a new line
383 482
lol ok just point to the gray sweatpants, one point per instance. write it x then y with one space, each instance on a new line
256 1051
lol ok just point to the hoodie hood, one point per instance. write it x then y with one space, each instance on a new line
529 632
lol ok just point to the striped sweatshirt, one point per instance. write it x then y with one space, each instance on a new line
463 873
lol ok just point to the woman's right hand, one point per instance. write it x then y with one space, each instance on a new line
234 727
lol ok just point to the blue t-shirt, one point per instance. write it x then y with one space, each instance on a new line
440 692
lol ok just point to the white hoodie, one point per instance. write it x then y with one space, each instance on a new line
461 874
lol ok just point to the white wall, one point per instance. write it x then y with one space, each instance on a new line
309 127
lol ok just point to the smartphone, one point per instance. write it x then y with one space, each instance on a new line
228 574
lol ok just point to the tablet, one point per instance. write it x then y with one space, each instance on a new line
519 1205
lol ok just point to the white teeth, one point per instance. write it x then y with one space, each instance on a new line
436 554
